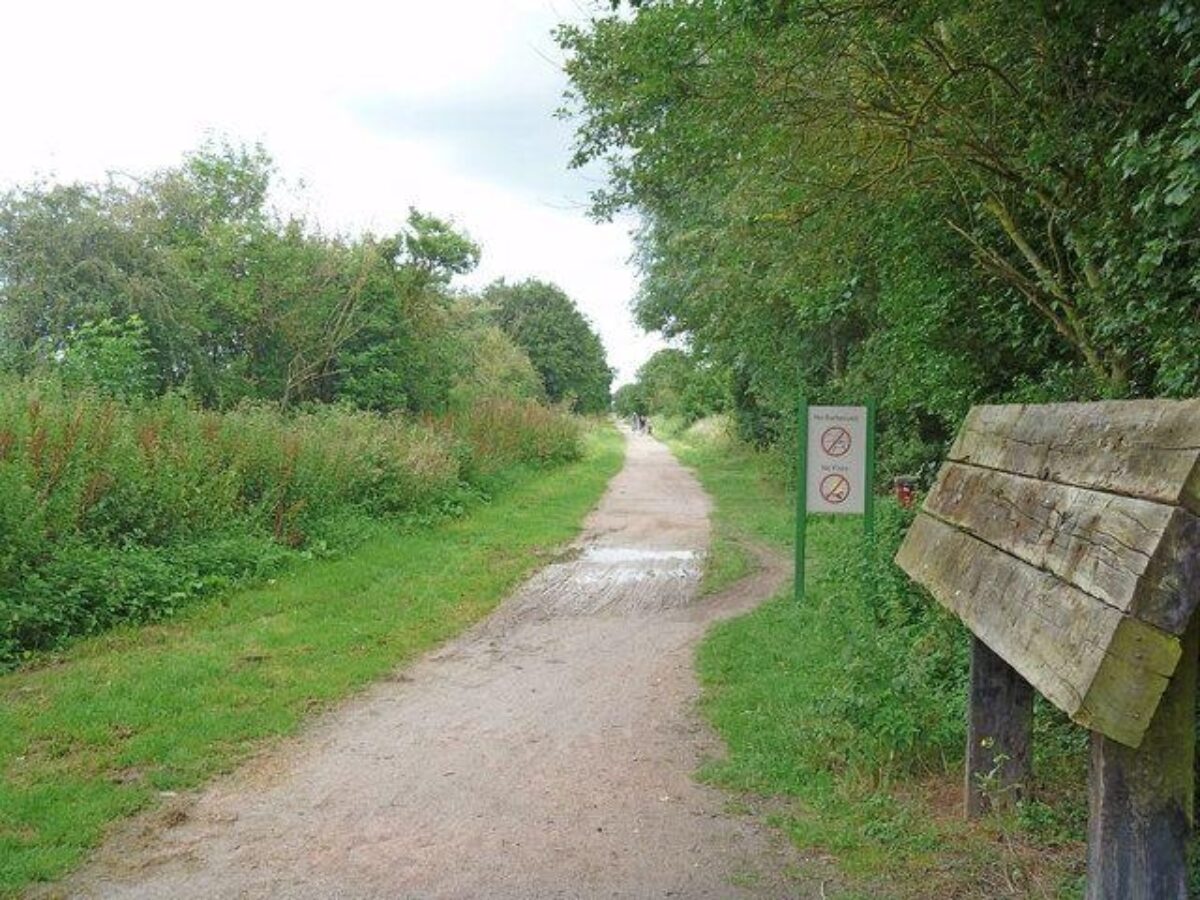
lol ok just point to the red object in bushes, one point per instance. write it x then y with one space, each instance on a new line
906 491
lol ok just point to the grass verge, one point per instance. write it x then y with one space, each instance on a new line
97 732
847 710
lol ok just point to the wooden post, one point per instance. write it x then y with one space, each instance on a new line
1140 801
999 733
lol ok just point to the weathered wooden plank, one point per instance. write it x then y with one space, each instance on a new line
1136 555
1140 801
1104 669
1139 448
999 733
1129 683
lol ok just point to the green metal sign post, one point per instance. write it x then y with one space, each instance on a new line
839 474
801 492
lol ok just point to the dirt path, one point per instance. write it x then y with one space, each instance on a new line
548 752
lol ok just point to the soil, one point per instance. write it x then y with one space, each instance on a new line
547 752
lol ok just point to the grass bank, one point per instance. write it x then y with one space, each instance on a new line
123 511
848 709
99 731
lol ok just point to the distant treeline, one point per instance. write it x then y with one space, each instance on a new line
935 203
188 280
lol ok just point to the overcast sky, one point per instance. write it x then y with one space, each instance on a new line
446 105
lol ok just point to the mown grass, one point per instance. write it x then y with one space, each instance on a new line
729 561
97 732
849 709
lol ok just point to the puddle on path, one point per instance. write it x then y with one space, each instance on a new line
613 556
620 565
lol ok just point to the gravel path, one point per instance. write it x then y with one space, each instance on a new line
548 752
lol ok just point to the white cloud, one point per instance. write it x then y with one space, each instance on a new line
376 106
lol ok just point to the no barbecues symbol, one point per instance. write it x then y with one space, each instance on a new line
835 441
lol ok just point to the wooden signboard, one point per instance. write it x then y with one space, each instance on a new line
1067 539
1058 534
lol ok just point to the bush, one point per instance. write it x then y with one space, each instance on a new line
115 511
903 658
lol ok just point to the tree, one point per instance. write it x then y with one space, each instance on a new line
231 300
407 348
560 342
677 384
433 248
933 202
496 369
629 400
113 356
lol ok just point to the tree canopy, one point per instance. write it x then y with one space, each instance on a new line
561 343
933 202
189 280
674 383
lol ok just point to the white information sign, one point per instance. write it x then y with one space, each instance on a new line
837 459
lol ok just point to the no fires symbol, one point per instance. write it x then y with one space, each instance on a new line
835 441
835 488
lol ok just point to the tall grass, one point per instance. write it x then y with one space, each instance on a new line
499 432
114 512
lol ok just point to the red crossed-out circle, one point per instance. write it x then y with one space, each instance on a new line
835 441
835 488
